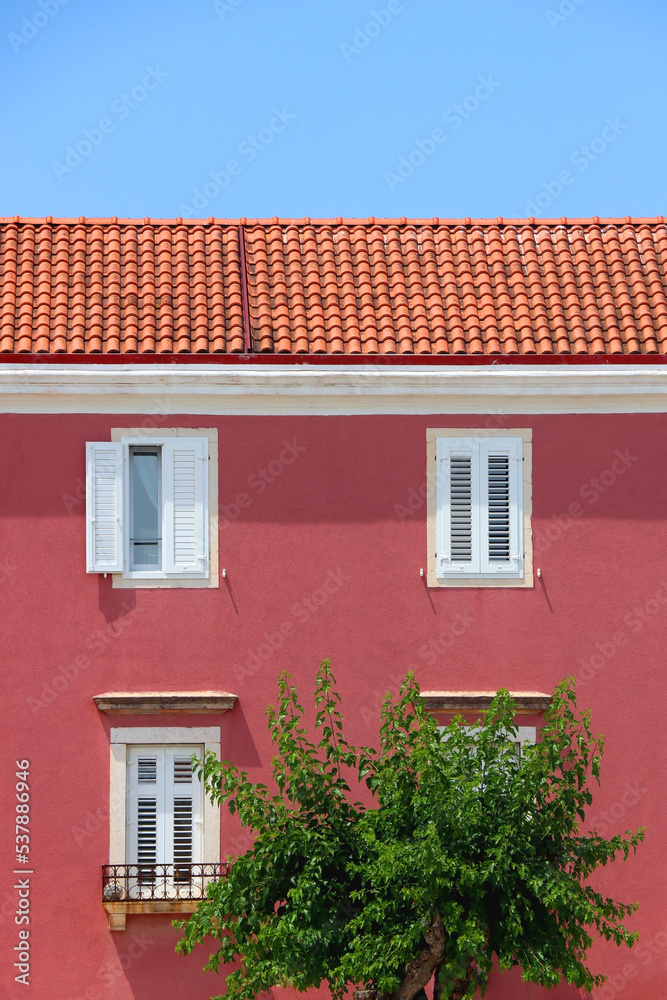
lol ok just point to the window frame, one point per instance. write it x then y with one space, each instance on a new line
129 442
434 487
138 579
122 739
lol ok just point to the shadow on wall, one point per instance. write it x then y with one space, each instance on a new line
509 986
146 961
146 966
347 469
114 604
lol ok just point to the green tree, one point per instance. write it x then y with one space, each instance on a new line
466 854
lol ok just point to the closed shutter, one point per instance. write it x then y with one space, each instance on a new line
146 810
104 505
165 810
479 516
458 506
185 498
501 527
182 833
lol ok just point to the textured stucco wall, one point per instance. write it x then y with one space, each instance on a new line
323 560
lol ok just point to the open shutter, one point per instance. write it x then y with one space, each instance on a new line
185 500
501 506
458 506
104 507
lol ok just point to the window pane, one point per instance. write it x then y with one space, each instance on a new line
144 486
145 553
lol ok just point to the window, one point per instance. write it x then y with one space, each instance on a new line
150 506
523 737
164 812
479 508
158 812
145 507
164 832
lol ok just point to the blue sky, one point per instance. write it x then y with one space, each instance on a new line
412 108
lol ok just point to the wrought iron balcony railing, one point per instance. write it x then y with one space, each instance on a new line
137 883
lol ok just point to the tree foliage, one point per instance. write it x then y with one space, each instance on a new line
466 854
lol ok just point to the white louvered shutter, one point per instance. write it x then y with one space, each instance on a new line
184 814
185 501
164 810
501 515
104 507
458 506
146 809
479 507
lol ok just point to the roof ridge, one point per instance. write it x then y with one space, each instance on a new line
466 222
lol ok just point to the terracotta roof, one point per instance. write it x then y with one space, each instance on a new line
425 287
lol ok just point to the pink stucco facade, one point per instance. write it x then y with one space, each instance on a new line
323 556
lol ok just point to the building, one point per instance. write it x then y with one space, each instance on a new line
436 445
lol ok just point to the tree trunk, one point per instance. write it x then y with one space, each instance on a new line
460 985
437 985
420 970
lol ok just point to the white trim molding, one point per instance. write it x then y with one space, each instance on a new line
151 434
222 389
525 579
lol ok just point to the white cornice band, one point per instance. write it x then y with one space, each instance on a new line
219 389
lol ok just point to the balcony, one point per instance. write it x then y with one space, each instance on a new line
155 889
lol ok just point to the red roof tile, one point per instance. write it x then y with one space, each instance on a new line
367 287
